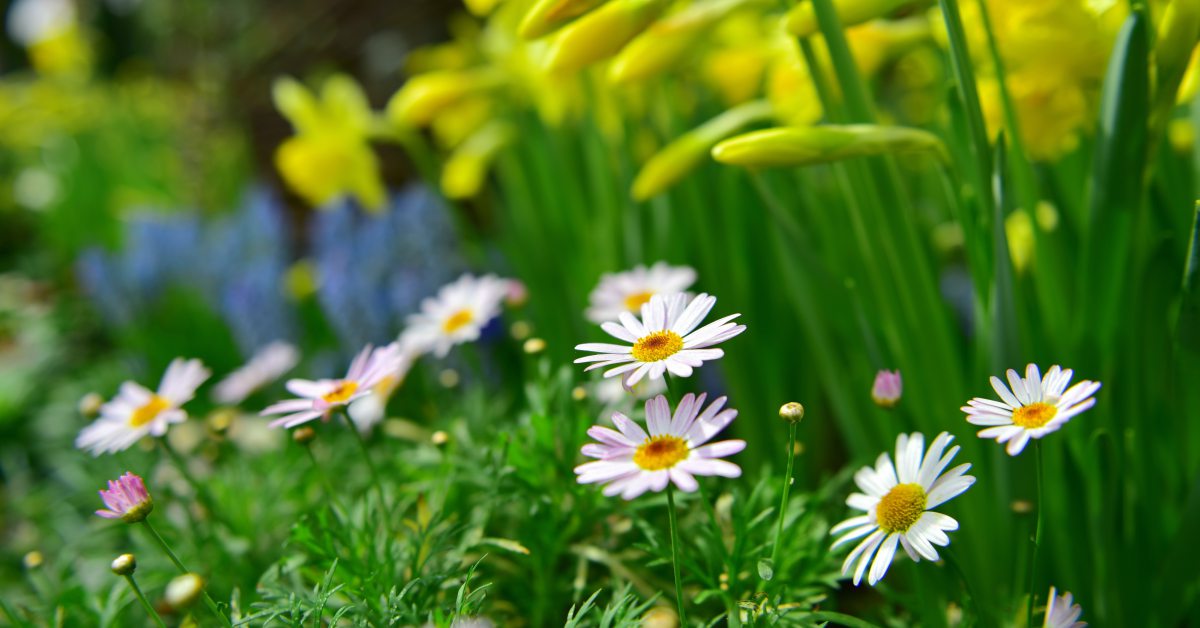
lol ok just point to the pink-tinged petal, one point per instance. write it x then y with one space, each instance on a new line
711 466
308 388
658 415
635 375
988 404
696 357
629 428
624 368
292 420
1004 393
358 365
720 449
108 514
985 420
637 485
683 412
702 430
290 405
684 480
610 436
685 416
603 470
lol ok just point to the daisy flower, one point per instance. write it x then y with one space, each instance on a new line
137 412
898 500
126 499
457 314
1061 613
319 398
267 365
630 290
370 409
674 449
1034 407
665 339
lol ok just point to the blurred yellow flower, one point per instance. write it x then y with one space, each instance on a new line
801 21
425 96
600 34
669 40
803 146
329 157
737 58
1052 113
465 171
1018 228
546 15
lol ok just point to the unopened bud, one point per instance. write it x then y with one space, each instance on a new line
579 393
183 591
124 564
89 404
304 435
887 389
439 438
792 412
448 378
33 560
534 346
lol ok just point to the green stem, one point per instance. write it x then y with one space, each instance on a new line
212 605
330 494
1037 535
952 560
787 487
675 552
145 603
362 443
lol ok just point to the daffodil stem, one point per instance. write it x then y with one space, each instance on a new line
145 603
1037 534
675 552
783 502
362 443
212 605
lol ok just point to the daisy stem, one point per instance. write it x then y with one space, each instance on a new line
1037 534
787 487
212 605
145 603
362 443
675 552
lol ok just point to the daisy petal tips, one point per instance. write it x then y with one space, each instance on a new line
897 502
1061 612
1033 407
672 448
665 339
318 398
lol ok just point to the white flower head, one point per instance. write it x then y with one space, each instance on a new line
457 314
675 448
320 397
267 365
628 291
1035 406
370 409
665 339
1061 613
898 501
137 412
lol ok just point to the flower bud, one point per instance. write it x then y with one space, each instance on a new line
89 404
33 560
534 346
304 435
124 564
887 389
183 591
600 33
804 146
424 96
792 412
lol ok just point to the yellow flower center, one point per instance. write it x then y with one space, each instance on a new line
148 411
457 321
660 452
900 508
634 302
1034 415
657 346
344 390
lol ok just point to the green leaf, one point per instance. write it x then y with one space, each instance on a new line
1187 328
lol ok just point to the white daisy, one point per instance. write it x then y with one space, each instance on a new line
457 314
663 340
1061 613
371 409
319 398
137 412
897 500
628 291
676 449
267 365
1034 407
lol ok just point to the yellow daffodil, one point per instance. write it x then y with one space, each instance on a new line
466 169
547 15
425 96
600 34
801 21
329 156
802 146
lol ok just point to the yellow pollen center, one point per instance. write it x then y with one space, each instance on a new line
634 302
148 411
457 321
657 346
1034 415
341 393
660 452
900 508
